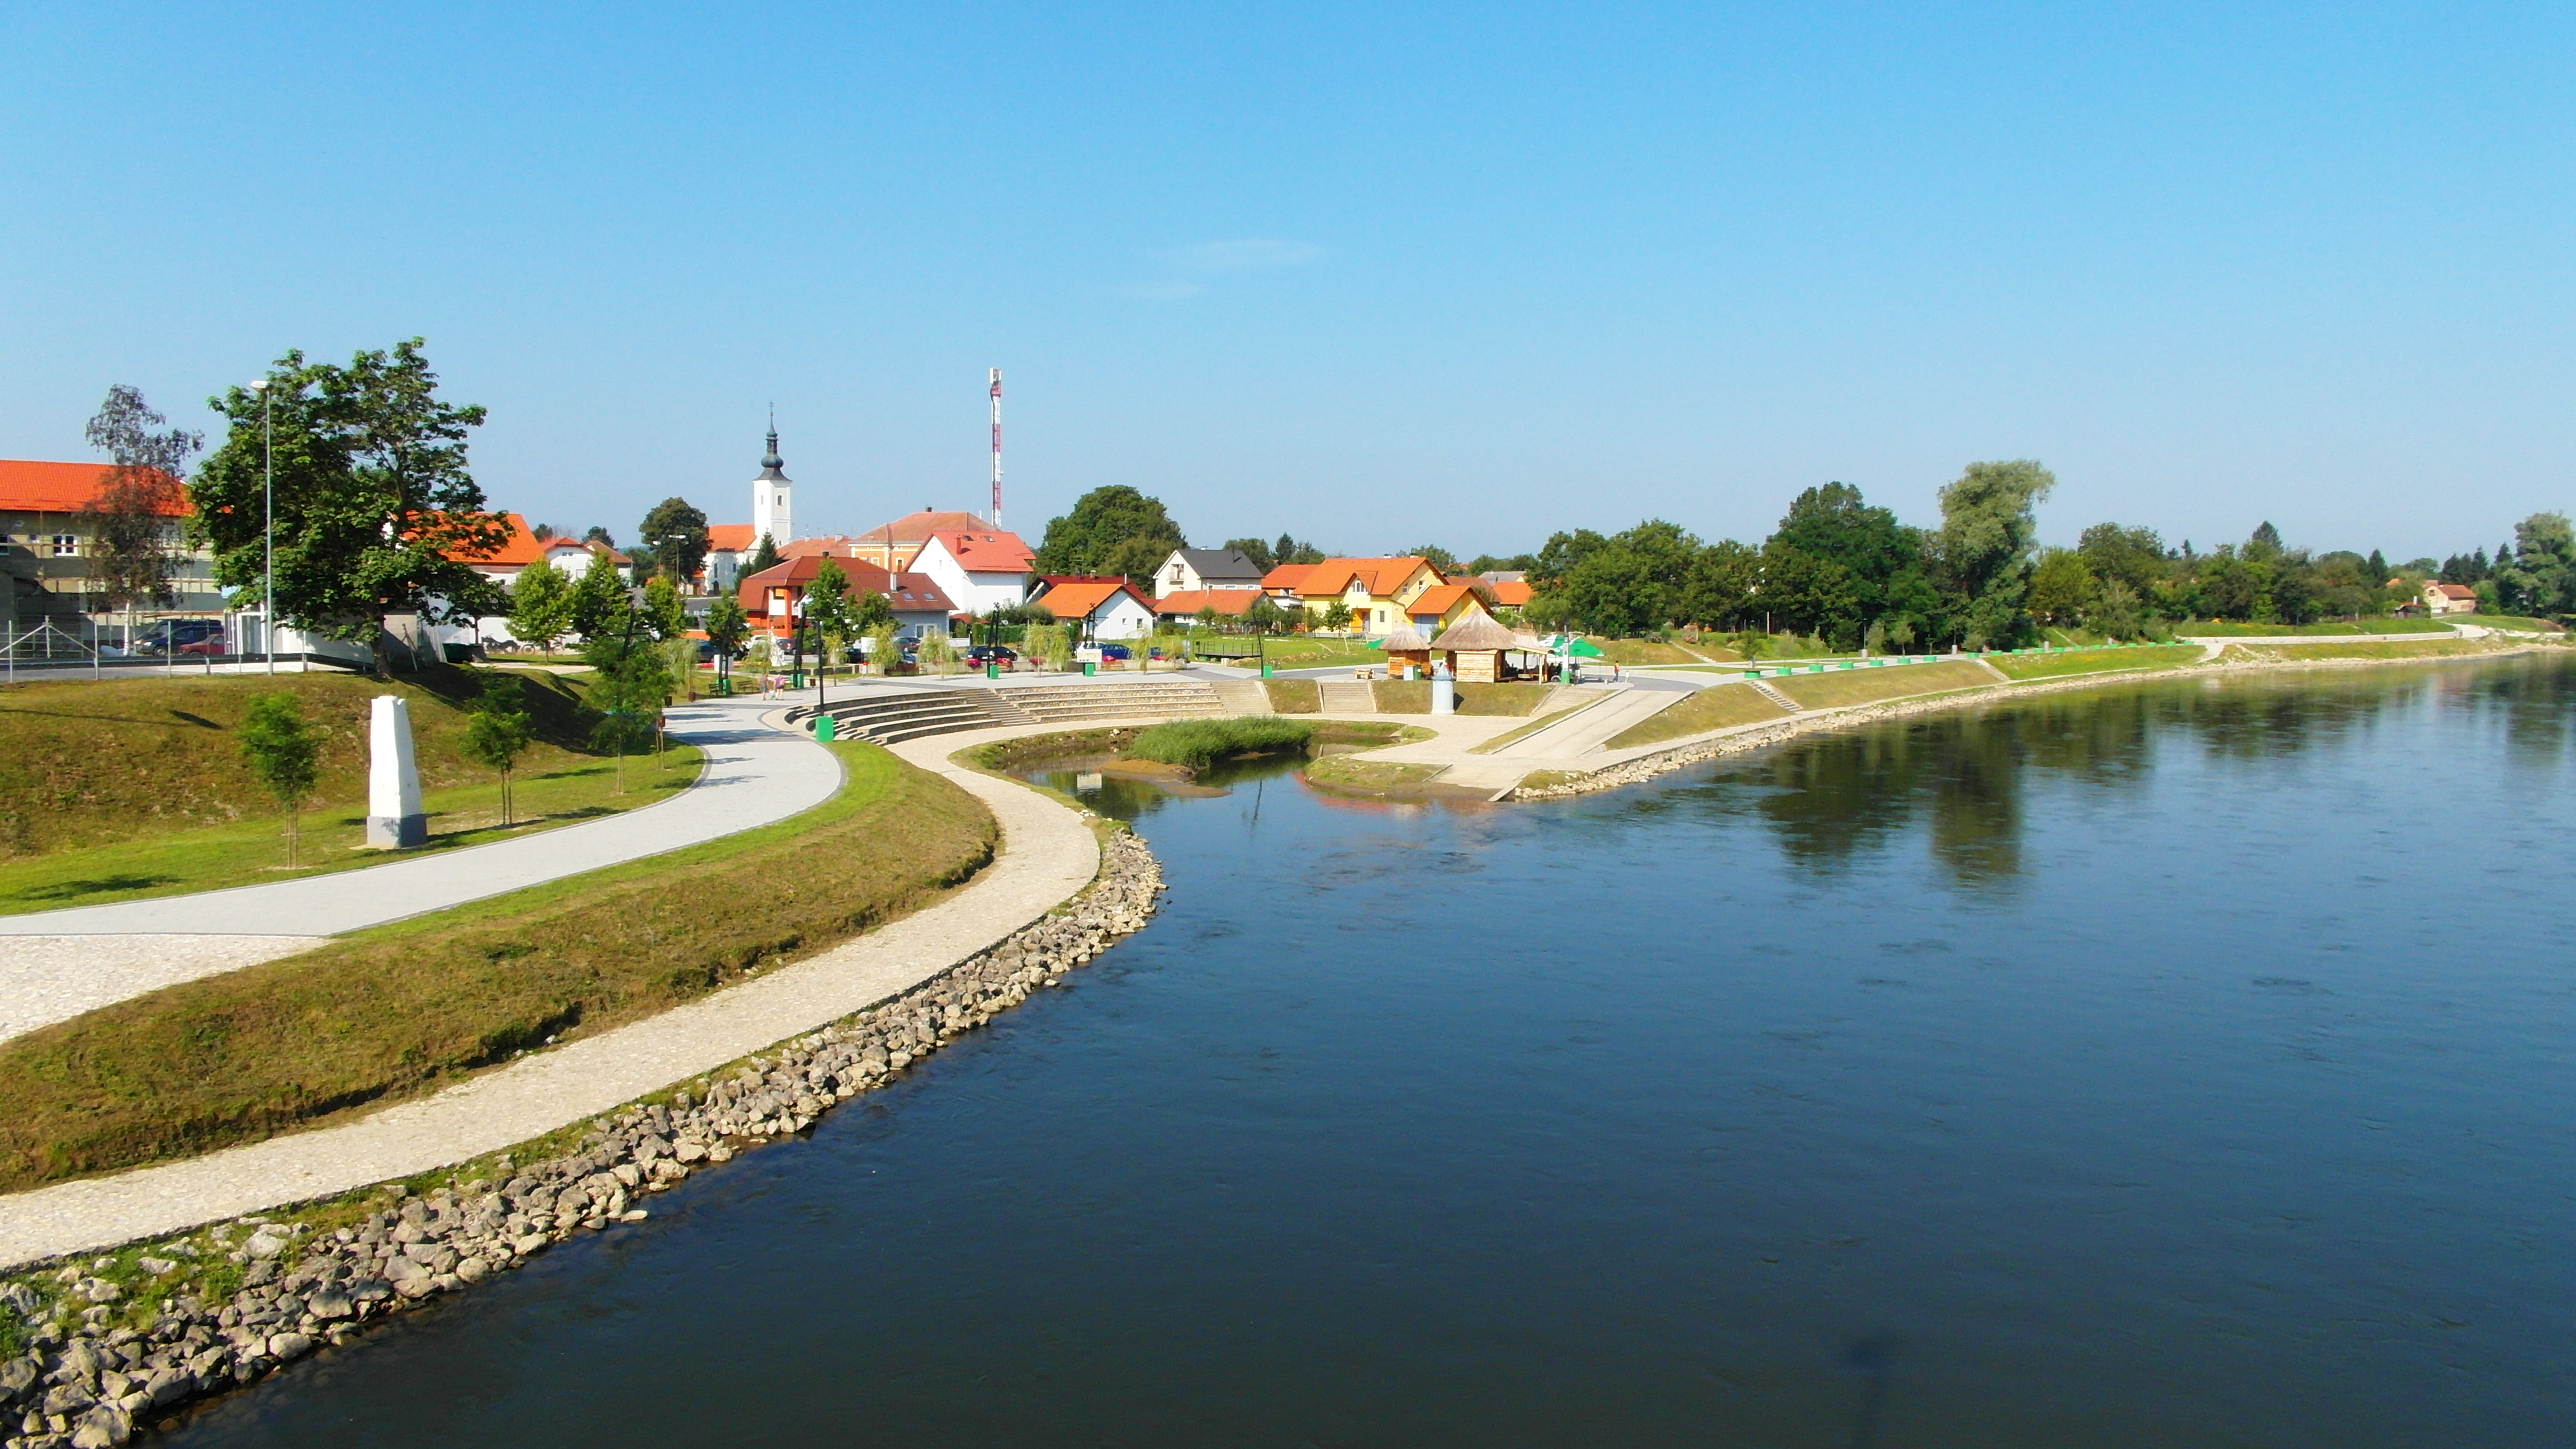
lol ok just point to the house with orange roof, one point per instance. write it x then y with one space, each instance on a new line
1104 607
897 543
522 547
48 540
1509 590
729 547
1186 603
983 569
1442 605
1377 591
773 598
2449 599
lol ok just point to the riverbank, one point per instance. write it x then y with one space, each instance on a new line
2234 660
124 1340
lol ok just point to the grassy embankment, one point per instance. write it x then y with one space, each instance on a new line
2229 629
1294 696
136 787
1720 706
1413 696
2090 661
402 1010
2361 649
2510 621
1871 686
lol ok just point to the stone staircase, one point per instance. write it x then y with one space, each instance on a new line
892 716
1243 696
1346 697
1776 697
1055 703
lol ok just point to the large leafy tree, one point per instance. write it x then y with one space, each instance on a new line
675 537
132 553
598 604
1111 530
1989 530
376 512
540 604
2542 577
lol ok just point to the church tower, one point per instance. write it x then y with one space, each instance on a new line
769 505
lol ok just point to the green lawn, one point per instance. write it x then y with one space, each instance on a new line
2094 661
1413 696
401 1010
1870 686
2361 649
2509 621
251 851
1720 706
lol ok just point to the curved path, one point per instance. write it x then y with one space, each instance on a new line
90 956
1048 854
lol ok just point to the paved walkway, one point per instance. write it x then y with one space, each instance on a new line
1048 853
89 956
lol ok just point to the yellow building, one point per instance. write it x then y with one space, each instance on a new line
1377 591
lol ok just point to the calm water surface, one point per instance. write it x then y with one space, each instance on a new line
2180 1064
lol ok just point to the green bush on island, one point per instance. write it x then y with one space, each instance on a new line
1195 744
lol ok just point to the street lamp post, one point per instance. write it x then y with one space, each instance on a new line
268 524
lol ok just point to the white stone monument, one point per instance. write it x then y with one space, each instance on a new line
394 817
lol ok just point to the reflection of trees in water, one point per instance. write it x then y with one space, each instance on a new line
1830 798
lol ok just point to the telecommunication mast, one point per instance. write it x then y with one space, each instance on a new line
997 447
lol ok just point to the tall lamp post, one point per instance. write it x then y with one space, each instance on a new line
268 524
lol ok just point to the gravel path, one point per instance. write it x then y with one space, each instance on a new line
1048 854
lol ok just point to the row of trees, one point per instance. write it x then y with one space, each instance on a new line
1118 530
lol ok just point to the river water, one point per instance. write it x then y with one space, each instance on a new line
2186 1063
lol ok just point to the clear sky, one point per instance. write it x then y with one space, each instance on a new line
1374 274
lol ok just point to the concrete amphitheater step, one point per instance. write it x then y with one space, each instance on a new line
1243 696
1346 697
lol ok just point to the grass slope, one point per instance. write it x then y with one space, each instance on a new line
1720 706
2227 629
2360 649
85 764
1869 686
1294 696
1413 696
401 1010
2093 661
1195 744
250 851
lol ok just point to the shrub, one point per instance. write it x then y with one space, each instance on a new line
1197 743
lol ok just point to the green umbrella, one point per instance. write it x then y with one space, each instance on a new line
1584 649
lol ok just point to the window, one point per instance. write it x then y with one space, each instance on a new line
66 545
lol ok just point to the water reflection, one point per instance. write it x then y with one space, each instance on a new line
1839 802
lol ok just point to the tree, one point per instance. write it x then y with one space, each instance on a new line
664 614
2062 589
1721 583
1111 530
598 606
1286 550
283 753
764 556
377 513
827 608
1337 616
1804 593
132 528
675 536
1434 555
2542 577
541 604
680 655
497 732
629 687
598 535
727 628
1254 549
1989 530
1562 551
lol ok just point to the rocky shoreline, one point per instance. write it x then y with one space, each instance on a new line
93 1367
1647 767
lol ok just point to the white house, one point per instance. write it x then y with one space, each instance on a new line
1104 608
2449 599
1189 570
982 570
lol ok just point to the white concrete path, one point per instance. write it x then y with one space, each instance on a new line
1048 854
89 956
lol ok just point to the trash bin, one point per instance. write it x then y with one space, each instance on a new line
1265 669
992 669
823 728
1089 668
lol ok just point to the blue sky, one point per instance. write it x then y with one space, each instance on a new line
1377 275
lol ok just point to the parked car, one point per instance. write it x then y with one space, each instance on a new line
181 636
982 654
1115 651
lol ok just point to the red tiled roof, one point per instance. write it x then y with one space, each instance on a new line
1183 602
918 527
730 538
33 487
1512 593
1077 596
909 593
1287 576
1441 598
985 550
2455 591
833 547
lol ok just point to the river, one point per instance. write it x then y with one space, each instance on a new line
2180 1063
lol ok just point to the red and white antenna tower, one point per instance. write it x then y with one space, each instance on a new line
997 447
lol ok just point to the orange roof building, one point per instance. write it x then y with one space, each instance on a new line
895 543
47 542
34 489
1185 603
522 547
1377 591
983 569
1105 607
771 596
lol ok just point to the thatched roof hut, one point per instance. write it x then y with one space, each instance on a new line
1475 646
1406 646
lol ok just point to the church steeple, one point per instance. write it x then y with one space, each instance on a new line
770 516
